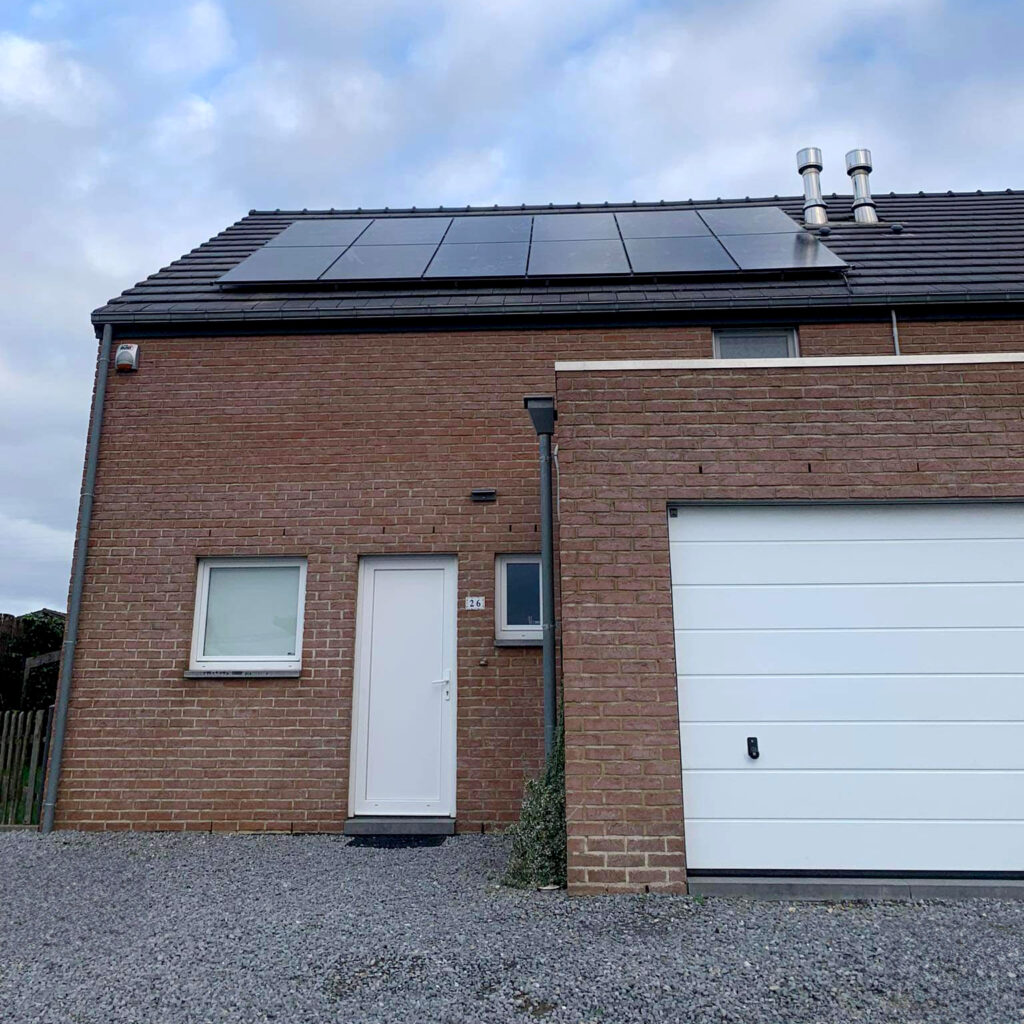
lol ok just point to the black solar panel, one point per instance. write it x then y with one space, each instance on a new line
780 252
748 220
661 224
585 256
571 227
295 263
677 255
489 228
405 231
479 259
321 232
715 240
383 262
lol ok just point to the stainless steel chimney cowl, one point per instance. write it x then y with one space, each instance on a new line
858 167
808 163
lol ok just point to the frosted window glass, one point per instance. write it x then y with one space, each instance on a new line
764 345
252 611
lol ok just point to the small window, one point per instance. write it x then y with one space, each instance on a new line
249 615
517 605
756 344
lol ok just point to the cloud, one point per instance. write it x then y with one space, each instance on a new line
186 42
47 9
187 132
140 130
33 556
38 78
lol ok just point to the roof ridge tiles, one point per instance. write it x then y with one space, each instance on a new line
609 205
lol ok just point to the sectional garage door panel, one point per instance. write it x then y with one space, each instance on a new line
789 698
871 651
846 606
877 746
853 795
877 653
893 846
809 562
885 521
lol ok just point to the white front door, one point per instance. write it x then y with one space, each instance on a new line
404 717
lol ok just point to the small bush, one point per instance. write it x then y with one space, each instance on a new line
538 838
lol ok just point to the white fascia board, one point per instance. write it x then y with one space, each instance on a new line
789 362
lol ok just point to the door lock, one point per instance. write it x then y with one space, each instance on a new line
752 752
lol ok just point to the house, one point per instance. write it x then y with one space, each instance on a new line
790 539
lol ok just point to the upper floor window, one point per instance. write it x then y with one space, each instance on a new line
248 615
756 343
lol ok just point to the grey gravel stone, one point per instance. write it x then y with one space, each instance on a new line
175 928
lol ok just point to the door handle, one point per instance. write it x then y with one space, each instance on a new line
752 752
446 682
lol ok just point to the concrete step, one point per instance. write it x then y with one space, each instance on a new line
399 826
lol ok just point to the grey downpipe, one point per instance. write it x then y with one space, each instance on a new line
895 333
547 572
60 715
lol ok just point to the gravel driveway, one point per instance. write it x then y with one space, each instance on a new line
151 928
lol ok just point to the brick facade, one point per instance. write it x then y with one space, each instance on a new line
329 447
631 442
336 446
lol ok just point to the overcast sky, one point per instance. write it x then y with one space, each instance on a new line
132 131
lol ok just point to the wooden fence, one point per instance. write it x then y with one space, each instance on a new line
24 744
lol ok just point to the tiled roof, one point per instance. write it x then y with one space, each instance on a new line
953 248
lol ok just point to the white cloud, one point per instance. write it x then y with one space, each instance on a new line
39 78
197 117
46 10
190 41
188 132
36 558
467 178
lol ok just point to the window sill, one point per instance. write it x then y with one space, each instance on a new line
518 643
274 673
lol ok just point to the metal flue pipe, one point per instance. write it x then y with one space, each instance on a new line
808 162
858 167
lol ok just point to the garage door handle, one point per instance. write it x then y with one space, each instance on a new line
752 752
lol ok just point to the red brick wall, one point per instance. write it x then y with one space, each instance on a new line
332 447
631 442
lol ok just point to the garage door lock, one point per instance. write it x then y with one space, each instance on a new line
752 752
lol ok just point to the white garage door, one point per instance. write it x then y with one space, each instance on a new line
876 652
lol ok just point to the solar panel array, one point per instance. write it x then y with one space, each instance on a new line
712 241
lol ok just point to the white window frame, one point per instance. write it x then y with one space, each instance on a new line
503 632
262 664
757 332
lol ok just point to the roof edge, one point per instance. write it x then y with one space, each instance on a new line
612 204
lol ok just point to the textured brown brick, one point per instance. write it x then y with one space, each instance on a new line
878 432
337 446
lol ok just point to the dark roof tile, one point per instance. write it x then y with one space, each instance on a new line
959 247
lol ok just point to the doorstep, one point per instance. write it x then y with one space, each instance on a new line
774 887
392 825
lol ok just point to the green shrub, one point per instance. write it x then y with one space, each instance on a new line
538 838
